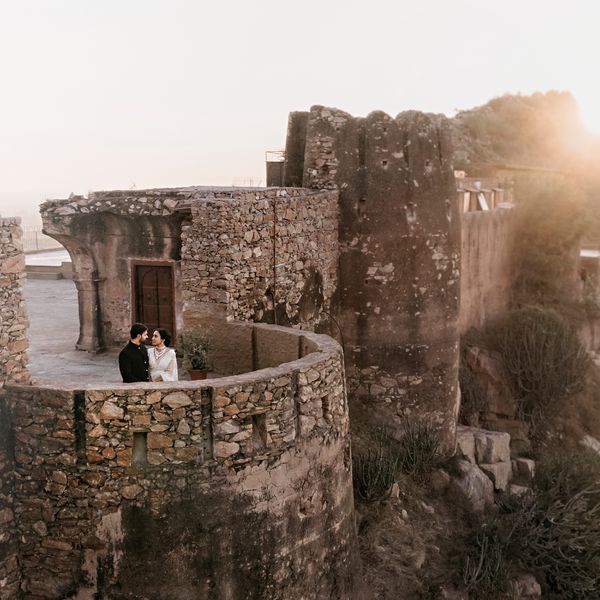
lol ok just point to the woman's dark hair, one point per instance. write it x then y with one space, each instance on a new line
137 329
165 336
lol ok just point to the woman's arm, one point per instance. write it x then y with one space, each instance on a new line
169 371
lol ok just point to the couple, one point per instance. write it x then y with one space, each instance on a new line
137 363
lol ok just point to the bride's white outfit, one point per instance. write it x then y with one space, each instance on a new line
163 363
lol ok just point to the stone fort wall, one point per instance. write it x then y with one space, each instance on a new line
13 314
13 367
268 255
397 299
228 488
487 266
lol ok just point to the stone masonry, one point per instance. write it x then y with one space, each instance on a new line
268 255
13 367
228 488
13 316
261 255
397 298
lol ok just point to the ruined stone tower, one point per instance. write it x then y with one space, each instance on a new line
397 298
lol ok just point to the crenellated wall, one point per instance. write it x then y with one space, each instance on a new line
397 298
487 266
232 488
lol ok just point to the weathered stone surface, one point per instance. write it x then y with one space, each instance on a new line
492 447
176 400
131 491
486 367
500 474
157 440
226 449
527 587
465 443
110 411
523 471
472 487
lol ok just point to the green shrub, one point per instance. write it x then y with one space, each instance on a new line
486 567
375 468
557 534
544 359
378 464
419 448
561 473
550 224
195 347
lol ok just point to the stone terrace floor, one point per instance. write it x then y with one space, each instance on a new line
53 331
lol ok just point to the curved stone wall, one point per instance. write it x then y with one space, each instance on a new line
238 487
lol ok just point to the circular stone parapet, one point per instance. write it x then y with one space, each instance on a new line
238 487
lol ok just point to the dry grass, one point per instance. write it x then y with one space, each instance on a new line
580 416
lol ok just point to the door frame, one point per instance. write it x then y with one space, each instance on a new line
133 264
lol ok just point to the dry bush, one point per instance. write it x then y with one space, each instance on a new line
544 358
558 533
486 568
375 467
419 448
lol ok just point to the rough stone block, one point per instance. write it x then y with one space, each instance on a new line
176 400
158 440
500 474
523 470
491 447
110 411
472 487
226 449
465 443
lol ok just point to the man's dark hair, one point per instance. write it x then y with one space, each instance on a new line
137 329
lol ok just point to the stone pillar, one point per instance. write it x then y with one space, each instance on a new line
397 298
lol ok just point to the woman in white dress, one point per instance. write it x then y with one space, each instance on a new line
163 362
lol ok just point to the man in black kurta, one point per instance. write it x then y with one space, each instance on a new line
133 359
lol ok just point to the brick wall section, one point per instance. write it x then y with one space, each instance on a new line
261 457
13 314
487 266
233 241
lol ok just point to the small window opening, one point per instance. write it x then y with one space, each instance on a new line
384 162
325 407
259 431
79 414
140 448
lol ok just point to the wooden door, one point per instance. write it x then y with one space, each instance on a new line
154 306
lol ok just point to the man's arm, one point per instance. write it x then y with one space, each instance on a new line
125 367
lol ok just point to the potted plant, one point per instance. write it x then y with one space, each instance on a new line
195 347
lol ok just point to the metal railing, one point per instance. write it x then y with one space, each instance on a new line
35 241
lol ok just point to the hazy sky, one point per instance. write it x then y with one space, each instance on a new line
146 93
